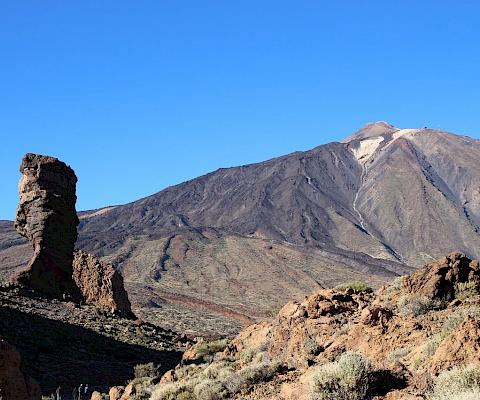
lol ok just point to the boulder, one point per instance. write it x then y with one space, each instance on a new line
46 216
100 284
14 385
116 392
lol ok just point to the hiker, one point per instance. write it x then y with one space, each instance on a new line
59 392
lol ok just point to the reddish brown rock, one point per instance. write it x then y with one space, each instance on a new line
100 284
462 347
46 216
439 279
14 385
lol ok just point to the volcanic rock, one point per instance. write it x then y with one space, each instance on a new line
14 385
46 216
100 284
441 279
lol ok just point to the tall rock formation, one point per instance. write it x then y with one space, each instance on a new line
46 216
101 284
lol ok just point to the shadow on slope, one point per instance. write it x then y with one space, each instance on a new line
57 353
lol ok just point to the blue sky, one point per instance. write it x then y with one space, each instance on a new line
140 95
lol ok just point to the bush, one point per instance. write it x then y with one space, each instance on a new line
348 378
149 370
465 290
207 348
459 383
250 375
210 390
416 305
356 286
312 347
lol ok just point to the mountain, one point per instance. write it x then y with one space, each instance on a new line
237 243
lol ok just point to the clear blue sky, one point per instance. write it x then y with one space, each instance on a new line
140 95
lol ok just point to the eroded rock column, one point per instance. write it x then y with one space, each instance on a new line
46 216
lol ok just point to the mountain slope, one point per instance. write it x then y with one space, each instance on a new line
238 242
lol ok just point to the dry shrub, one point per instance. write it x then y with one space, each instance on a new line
459 383
348 378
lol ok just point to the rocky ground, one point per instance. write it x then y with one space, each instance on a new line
65 344
417 338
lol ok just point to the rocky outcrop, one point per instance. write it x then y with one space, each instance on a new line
100 284
408 332
14 385
46 216
444 278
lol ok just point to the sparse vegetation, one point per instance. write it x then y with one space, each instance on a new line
464 290
398 354
312 347
206 348
457 317
460 383
414 305
149 370
347 378
356 286
433 343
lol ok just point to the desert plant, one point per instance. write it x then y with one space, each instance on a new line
312 347
464 290
348 378
250 375
207 348
432 344
457 317
414 305
209 389
356 286
149 370
459 383
398 354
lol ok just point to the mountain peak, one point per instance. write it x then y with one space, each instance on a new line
372 129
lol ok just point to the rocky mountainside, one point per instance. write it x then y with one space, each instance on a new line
238 242
417 338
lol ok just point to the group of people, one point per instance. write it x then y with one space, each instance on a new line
79 393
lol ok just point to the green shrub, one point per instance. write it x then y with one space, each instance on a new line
348 378
356 286
459 383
